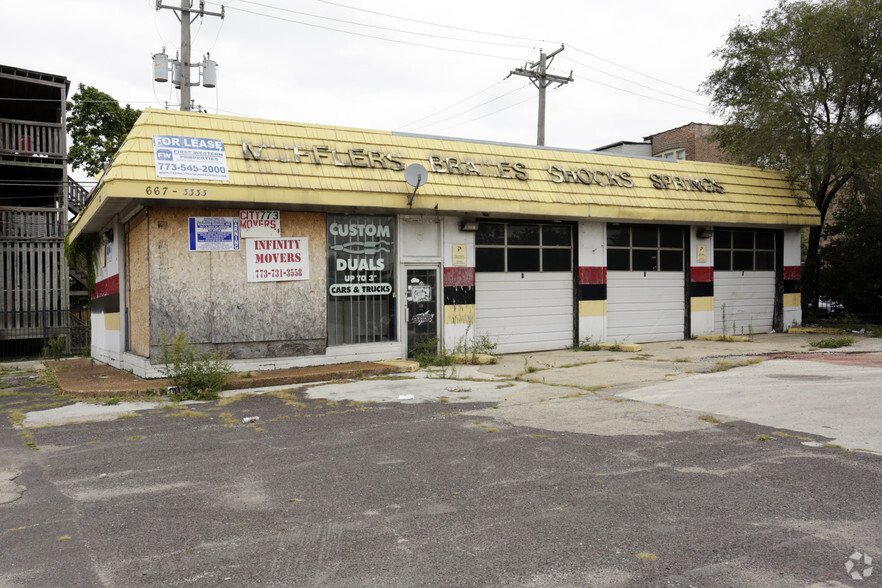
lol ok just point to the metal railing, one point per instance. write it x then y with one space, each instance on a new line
32 223
24 333
77 196
30 138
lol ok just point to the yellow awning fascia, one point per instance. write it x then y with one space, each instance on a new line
751 196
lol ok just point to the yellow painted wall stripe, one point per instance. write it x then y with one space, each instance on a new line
702 304
459 313
111 321
588 308
792 300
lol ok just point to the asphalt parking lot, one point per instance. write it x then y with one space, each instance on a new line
497 482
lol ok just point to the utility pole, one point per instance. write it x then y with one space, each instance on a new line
186 9
538 74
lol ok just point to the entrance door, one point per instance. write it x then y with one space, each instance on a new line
421 307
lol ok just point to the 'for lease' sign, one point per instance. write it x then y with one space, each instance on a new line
277 260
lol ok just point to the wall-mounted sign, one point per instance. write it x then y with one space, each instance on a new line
465 166
259 224
192 158
460 254
214 233
360 255
277 260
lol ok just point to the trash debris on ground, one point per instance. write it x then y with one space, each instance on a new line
454 389
172 390
406 397
251 419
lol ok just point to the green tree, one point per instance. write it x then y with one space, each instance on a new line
801 92
98 126
851 255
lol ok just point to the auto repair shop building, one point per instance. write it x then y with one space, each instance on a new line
286 244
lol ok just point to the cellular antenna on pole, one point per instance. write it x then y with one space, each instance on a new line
184 12
538 74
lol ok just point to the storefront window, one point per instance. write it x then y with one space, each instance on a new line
524 247
646 248
744 250
361 278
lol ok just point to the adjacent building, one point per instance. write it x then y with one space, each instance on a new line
36 199
286 244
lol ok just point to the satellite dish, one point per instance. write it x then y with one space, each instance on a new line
415 175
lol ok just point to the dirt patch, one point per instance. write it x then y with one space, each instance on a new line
82 376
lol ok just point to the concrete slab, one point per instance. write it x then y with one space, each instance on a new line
838 402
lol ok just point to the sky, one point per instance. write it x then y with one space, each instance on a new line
431 68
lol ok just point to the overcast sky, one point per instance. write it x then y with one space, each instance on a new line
435 68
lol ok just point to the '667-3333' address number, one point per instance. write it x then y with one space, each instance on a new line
163 191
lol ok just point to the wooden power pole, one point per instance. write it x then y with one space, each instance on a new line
538 74
186 9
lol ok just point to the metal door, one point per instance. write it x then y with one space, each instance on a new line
421 306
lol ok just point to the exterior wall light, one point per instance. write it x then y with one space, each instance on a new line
468 226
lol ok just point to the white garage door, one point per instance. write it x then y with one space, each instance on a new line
749 301
528 311
645 306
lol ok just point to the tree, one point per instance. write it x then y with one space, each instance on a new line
98 126
801 92
852 253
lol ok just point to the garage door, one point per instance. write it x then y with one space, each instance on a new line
744 281
642 308
646 294
746 300
525 312
524 285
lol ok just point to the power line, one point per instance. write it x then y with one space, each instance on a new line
392 29
365 35
434 24
634 71
651 89
470 109
486 115
639 94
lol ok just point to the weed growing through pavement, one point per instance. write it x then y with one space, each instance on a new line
200 375
791 436
723 365
710 419
764 438
832 342
586 345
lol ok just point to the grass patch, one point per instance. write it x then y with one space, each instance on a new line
710 419
791 436
572 365
587 345
185 412
128 415
33 446
646 556
723 365
48 377
764 438
492 430
834 446
832 342
135 438
13 394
